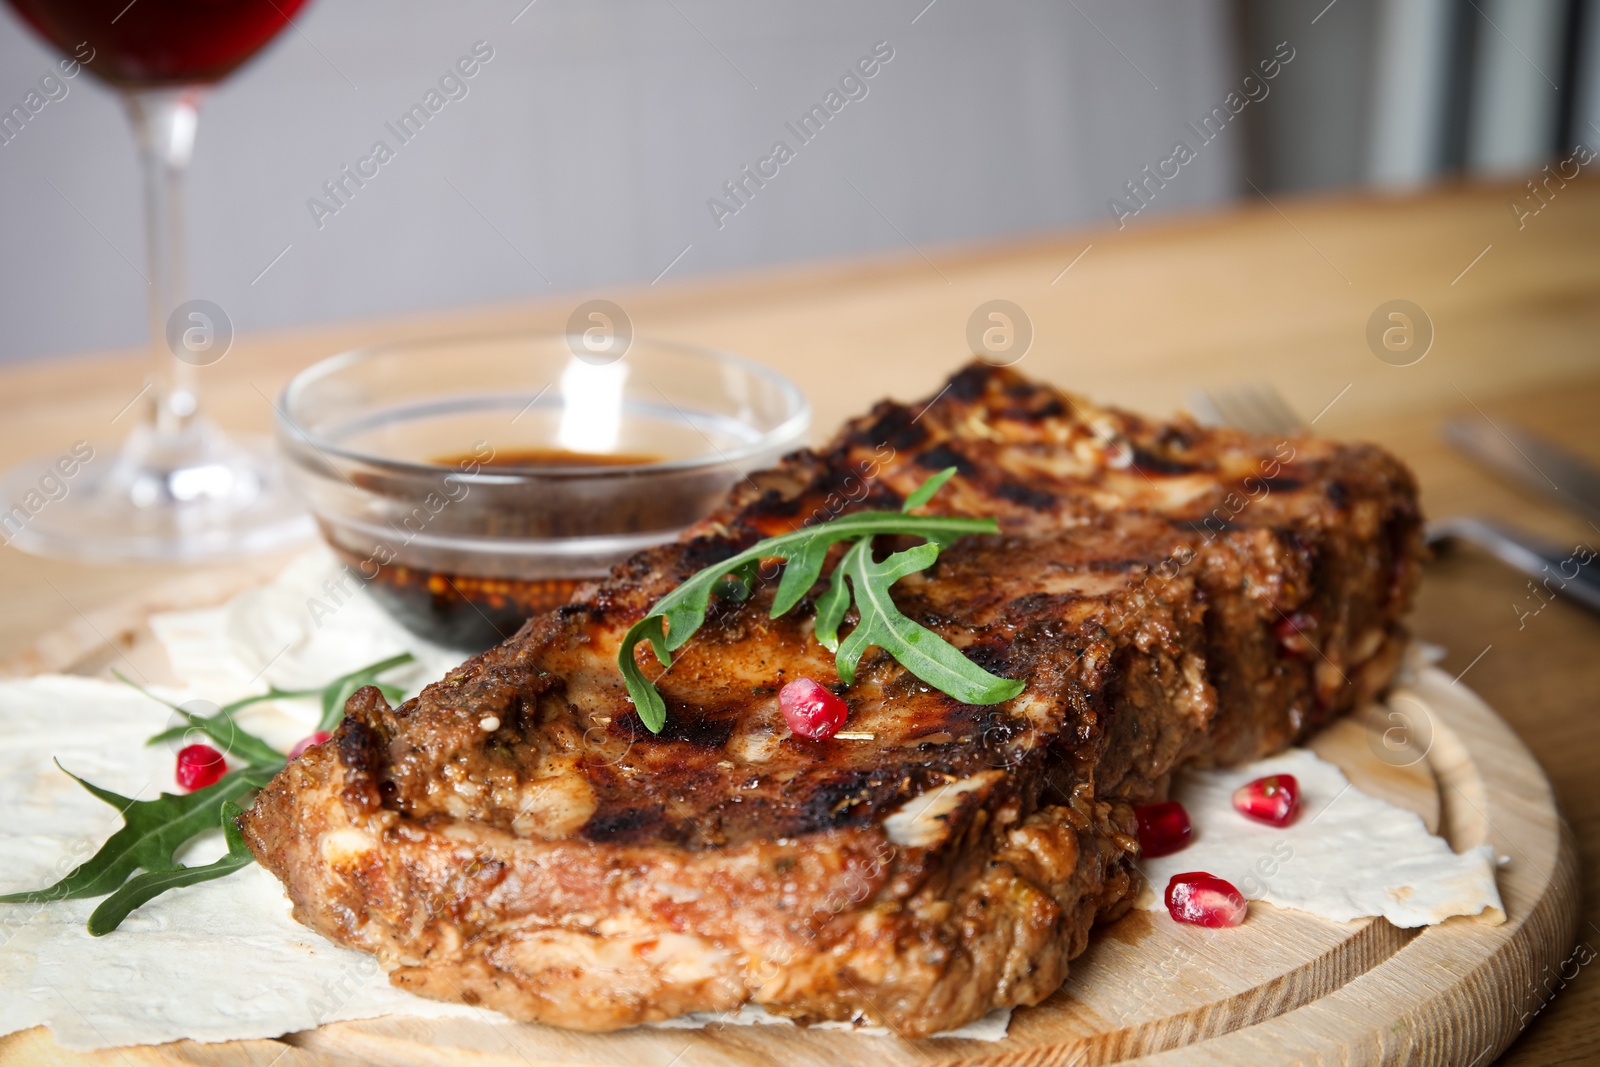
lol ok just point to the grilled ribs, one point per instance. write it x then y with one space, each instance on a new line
513 837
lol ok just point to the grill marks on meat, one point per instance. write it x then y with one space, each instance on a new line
569 867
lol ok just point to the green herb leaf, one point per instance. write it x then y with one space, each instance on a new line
831 607
673 620
236 741
233 739
142 888
800 573
225 714
153 830
920 650
737 586
924 492
340 690
646 697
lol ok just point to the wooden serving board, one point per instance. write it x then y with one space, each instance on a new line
1286 987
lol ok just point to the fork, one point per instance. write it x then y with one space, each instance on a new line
1261 409
1257 409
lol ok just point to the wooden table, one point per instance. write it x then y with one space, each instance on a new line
1279 293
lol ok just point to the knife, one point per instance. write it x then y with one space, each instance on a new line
1559 572
1530 461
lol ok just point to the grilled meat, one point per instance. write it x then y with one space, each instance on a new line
515 838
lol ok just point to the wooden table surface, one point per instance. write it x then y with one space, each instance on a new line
1272 292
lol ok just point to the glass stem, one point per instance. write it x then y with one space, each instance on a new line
164 122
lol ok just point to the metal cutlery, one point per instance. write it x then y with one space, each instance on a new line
1538 559
1253 409
1531 462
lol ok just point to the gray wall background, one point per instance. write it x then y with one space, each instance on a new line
585 150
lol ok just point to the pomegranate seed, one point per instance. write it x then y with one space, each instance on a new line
199 766
304 743
1163 828
1293 630
1205 900
1274 800
811 710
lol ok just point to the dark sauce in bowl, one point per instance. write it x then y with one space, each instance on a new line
460 610
444 471
471 611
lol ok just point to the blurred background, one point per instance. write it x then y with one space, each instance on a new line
595 145
1244 171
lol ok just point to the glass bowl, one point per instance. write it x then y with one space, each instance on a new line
474 481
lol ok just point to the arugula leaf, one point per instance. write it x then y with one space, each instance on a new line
673 619
800 573
142 888
340 690
236 741
738 586
153 830
676 616
920 650
226 712
924 492
831 607
646 697
233 739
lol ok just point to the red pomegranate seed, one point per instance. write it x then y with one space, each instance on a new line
1274 800
1163 828
811 710
1293 630
304 743
1205 900
199 766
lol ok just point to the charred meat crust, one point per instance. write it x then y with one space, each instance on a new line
513 837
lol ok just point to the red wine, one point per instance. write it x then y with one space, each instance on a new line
160 42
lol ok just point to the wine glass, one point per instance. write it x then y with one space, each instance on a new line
179 488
